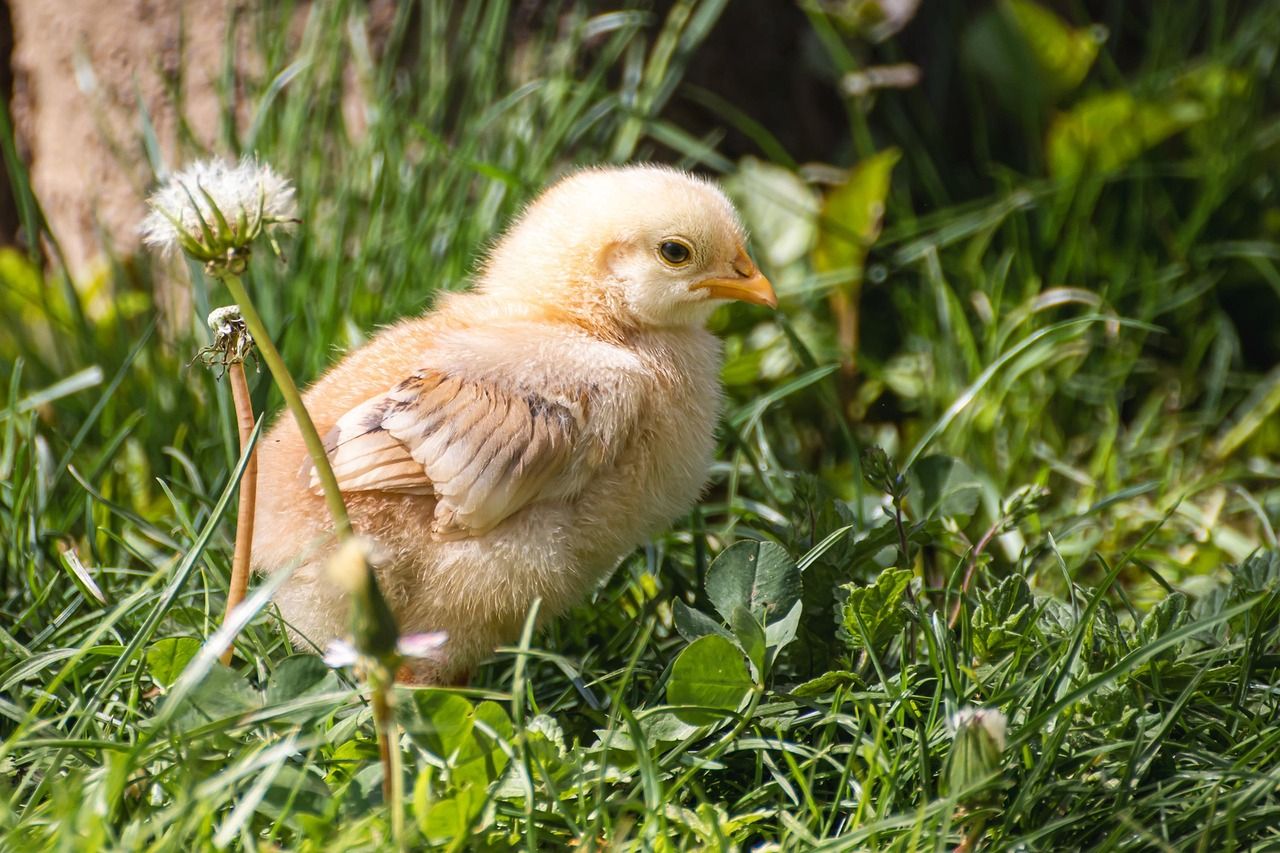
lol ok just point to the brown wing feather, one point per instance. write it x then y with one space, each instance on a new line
482 450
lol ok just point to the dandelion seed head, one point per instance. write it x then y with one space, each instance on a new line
250 195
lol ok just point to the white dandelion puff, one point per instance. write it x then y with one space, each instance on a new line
214 209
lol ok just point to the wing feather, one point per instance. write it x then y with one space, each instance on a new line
484 451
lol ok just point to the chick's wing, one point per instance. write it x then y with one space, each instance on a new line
484 451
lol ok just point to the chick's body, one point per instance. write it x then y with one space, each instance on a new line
515 442
655 402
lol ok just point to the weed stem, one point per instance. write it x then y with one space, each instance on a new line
248 497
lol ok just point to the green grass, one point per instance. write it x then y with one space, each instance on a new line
1068 351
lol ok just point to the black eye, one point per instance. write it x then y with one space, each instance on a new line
674 252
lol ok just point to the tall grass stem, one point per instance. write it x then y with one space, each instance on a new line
292 399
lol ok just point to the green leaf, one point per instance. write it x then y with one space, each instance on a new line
779 208
348 758
1168 615
544 740
481 758
692 624
1029 56
1002 618
1259 573
943 487
710 673
167 658
665 725
1104 133
878 607
750 637
778 635
221 694
299 675
759 576
1063 54
825 683
443 721
446 819
852 214
466 736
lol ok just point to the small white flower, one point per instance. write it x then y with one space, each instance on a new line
341 653
213 208
421 645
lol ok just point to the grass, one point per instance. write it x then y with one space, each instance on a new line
1066 353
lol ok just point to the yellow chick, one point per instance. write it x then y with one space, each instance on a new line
520 439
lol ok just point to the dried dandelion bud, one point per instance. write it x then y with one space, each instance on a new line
373 626
214 210
232 342
977 748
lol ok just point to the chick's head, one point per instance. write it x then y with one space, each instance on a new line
642 245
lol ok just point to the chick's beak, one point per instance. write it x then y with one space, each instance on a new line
748 285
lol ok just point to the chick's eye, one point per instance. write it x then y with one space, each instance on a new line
674 252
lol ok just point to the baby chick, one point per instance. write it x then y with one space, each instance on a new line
521 438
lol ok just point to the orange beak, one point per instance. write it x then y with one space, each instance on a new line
749 285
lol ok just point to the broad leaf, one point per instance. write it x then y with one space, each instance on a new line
1063 54
692 624
1167 615
300 675
778 206
943 487
1029 56
443 820
459 732
759 576
873 614
711 673
778 634
825 683
481 758
750 637
1002 618
222 693
167 658
852 214
1104 133
1259 573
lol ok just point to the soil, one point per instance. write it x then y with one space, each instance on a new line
81 69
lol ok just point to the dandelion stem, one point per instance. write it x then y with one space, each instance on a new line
384 724
248 497
284 381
